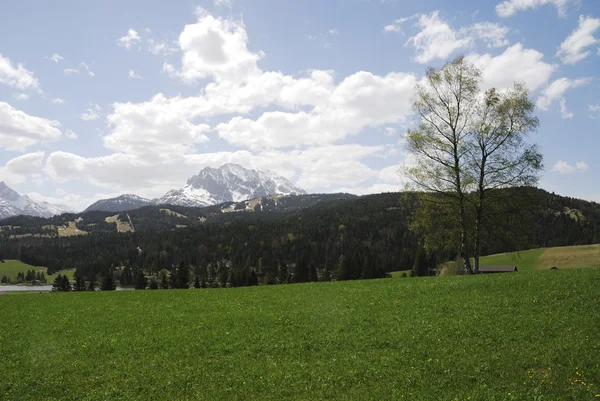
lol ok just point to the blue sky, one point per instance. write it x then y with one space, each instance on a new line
111 97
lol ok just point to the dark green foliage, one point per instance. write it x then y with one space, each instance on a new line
79 283
61 284
92 283
108 281
153 285
343 239
4 280
196 282
140 280
421 265
164 283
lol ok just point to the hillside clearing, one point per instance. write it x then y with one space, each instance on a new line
10 268
523 336
122 227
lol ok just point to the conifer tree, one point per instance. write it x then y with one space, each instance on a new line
57 285
79 283
108 282
153 285
92 283
140 280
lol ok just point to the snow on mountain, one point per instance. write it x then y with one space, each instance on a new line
121 203
228 183
13 204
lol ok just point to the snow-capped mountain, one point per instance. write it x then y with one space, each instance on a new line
121 203
228 183
13 204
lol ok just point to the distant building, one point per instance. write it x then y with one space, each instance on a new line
497 269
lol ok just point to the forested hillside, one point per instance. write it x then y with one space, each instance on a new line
340 239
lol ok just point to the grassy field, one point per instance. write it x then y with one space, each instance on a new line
567 257
517 336
10 268
122 227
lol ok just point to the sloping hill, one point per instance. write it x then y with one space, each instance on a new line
568 257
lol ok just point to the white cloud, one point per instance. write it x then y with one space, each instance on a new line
572 50
438 40
56 58
129 40
160 47
134 75
160 127
90 72
21 168
29 163
360 100
69 71
492 34
291 123
565 168
510 7
17 77
91 114
556 91
20 96
218 48
19 131
594 107
58 100
514 64
70 134
333 31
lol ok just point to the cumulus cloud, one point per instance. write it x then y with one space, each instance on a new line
556 91
291 124
19 131
573 49
29 163
565 168
511 7
217 48
438 40
129 40
17 77
58 100
515 64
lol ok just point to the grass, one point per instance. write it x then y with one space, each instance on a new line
11 268
585 256
516 336
122 227
70 230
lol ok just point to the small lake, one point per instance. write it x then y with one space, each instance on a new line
41 288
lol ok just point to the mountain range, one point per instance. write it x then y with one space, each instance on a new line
228 183
12 204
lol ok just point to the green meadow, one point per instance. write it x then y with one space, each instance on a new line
516 336
567 257
10 268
